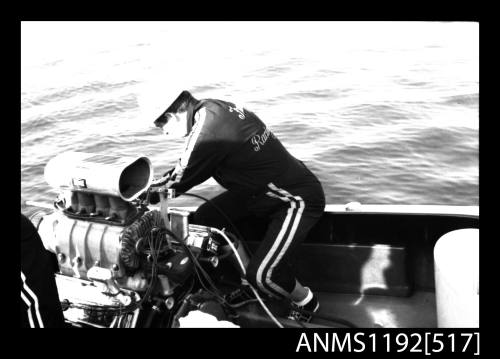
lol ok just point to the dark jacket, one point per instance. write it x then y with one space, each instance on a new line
235 147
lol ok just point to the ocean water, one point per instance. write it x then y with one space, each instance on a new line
382 112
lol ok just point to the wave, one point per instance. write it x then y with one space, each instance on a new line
469 100
61 94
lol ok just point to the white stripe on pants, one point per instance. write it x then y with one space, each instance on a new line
293 200
34 298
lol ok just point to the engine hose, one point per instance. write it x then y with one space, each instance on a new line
235 240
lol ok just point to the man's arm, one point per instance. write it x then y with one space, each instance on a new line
203 153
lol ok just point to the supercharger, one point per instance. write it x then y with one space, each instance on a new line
111 249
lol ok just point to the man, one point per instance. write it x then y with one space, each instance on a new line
40 306
232 145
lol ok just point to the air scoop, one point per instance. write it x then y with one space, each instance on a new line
124 177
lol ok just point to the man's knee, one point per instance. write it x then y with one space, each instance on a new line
207 215
203 216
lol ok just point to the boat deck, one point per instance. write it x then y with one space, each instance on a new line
372 270
364 311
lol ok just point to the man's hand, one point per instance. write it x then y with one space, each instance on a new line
160 182
154 193
158 185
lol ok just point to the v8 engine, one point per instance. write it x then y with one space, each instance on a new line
114 253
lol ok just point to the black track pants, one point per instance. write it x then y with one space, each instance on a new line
40 306
291 215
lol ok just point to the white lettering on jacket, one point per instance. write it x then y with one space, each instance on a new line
239 110
260 140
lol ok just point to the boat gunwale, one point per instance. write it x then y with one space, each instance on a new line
439 210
